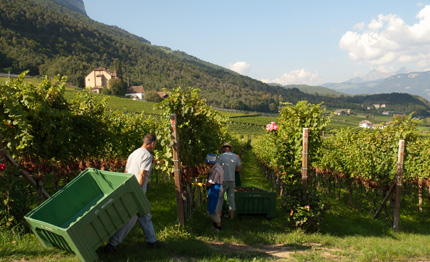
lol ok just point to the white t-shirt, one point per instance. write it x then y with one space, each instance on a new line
139 160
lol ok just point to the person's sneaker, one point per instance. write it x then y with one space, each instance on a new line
154 244
109 248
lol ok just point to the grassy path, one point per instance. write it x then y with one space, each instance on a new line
252 175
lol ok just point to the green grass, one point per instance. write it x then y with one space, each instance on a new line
347 234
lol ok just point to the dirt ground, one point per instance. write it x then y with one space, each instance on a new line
277 252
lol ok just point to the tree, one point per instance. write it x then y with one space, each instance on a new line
117 67
116 86
152 96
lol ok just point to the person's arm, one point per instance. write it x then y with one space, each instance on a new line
209 183
239 167
142 177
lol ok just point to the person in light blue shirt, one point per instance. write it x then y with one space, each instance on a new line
230 163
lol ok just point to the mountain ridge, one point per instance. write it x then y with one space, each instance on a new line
76 5
414 83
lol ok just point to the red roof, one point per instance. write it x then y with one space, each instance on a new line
135 89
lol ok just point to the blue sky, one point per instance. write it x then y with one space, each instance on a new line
283 41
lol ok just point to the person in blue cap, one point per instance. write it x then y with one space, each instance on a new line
215 190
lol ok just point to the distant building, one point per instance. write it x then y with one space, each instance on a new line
382 126
365 124
97 79
342 112
376 106
136 92
163 95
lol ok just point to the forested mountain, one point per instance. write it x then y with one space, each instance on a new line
49 39
316 90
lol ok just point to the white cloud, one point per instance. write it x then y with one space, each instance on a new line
242 68
389 40
360 26
299 76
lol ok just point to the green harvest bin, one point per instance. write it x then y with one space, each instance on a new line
88 211
255 201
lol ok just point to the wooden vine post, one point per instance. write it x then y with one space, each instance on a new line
399 185
305 162
420 194
2 152
177 171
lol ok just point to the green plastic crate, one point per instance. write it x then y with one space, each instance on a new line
255 201
88 211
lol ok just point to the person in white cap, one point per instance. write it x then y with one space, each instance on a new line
214 186
230 163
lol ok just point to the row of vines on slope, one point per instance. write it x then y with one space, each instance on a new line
368 158
355 157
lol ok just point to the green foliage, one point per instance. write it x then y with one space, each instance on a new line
200 128
34 118
371 155
117 87
281 150
306 214
418 159
152 96
15 204
38 123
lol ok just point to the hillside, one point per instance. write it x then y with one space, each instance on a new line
49 39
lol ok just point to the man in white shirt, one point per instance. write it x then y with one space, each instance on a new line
139 163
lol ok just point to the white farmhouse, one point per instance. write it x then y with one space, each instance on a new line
365 124
136 92
97 79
